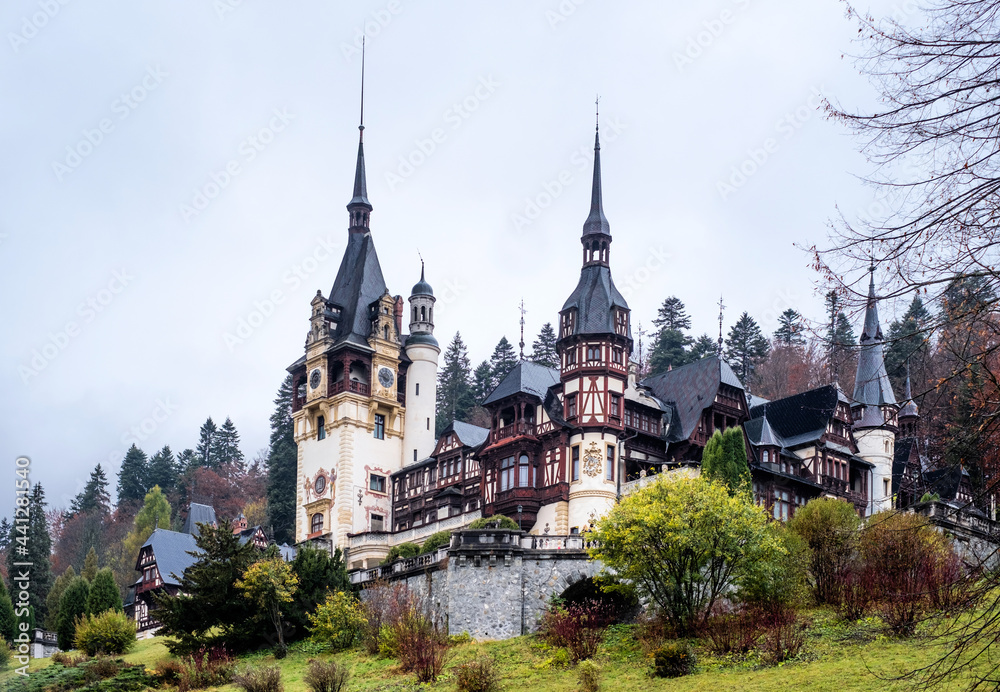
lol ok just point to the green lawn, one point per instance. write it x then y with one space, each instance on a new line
834 660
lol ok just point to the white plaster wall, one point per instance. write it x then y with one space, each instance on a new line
872 447
420 407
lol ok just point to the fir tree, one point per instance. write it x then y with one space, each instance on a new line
724 459
504 360
454 391
103 594
543 350
133 476
90 565
669 351
72 605
908 343
703 346
319 573
206 446
672 315
34 545
791 330
746 347
282 467
482 382
8 621
226 446
94 496
52 600
5 528
840 337
187 461
163 471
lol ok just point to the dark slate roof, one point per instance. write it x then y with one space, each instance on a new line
597 222
760 433
691 389
945 482
359 283
905 446
414 339
470 435
909 409
172 551
246 535
527 378
594 298
198 514
360 181
871 385
422 288
802 417
287 552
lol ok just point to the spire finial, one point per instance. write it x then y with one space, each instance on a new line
522 328
421 265
361 126
597 112
722 307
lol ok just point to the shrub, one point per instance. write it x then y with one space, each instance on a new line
263 679
577 626
441 539
72 605
105 667
854 594
830 528
207 667
327 676
384 606
339 620
784 636
478 675
5 654
673 659
733 633
463 638
560 658
403 550
651 631
781 581
103 594
169 671
497 521
111 632
420 645
590 676
67 659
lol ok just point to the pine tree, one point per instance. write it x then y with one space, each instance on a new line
454 391
72 605
206 444
319 573
34 545
703 346
133 476
187 460
840 338
5 528
90 565
226 447
163 471
8 620
103 594
543 350
504 360
482 382
52 600
669 351
94 496
746 347
672 315
791 330
908 343
282 467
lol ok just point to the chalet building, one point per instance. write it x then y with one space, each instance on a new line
563 443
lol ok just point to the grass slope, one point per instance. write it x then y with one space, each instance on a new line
838 658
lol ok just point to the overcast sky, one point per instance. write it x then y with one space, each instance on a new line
132 262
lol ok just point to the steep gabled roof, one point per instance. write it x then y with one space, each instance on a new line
172 552
691 389
525 378
359 283
802 417
595 298
198 514
904 452
871 385
469 435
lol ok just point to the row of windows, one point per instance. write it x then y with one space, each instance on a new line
515 475
642 421
595 355
423 314
609 464
614 409
316 523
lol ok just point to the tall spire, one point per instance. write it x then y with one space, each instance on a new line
872 388
596 222
359 207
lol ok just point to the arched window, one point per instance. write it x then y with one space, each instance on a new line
414 314
317 522
423 313
430 314
385 332
320 428
767 456
523 471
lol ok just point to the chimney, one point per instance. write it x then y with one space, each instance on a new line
399 314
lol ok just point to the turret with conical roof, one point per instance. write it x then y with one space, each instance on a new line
909 414
874 402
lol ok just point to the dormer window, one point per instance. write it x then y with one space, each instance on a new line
568 323
594 353
621 322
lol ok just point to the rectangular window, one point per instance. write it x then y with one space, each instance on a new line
616 355
414 455
379 426
377 483
428 423
576 463
571 356
571 406
616 405
378 522
506 474
418 389
611 463
523 472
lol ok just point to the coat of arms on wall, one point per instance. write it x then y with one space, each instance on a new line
592 460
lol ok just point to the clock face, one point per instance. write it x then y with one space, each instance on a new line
385 377
314 378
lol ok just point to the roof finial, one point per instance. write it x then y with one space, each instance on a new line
722 307
361 126
597 112
421 265
522 328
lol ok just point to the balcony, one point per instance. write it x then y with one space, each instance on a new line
836 485
513 430
352 386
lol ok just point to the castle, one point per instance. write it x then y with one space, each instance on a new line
564 444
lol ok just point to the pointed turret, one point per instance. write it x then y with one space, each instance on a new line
909 414
596 236
874 402
359 207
